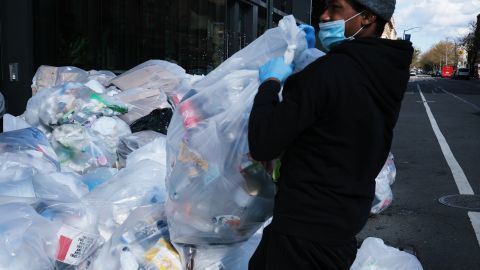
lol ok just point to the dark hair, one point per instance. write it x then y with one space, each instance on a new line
380 22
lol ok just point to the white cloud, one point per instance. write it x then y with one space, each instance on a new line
438 19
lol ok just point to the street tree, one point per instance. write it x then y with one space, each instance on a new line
471 42
440 54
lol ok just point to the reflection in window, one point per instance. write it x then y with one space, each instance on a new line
117 35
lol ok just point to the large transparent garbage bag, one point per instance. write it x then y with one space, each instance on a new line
141 184
375 255
216 192
48 76
59 186
78 236
23 154
383 192
71 103
27 240
141 242
82 149
167 77
134 141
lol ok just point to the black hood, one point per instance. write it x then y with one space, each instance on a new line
386 66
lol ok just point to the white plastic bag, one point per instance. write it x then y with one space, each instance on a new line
375 255
217 193
27 240
383 192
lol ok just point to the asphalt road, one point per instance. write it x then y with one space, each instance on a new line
442 237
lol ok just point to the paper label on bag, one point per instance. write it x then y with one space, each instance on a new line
74 245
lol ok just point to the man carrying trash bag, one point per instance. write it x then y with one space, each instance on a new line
333 131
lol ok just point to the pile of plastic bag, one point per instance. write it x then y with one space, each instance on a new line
146 170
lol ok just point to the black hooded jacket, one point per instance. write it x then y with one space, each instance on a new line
333 131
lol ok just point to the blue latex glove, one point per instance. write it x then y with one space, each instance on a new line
277 69
310 34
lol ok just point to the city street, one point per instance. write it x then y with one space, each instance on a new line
436 154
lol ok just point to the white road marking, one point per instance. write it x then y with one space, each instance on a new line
475 219
458 175
461 99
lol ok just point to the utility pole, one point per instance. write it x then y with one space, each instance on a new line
404 31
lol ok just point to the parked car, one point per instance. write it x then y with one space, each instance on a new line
461 74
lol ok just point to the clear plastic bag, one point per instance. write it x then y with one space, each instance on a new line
63 187
82 149
216 193
71 103
375 255
112 129
104 77
23 154
48 76
383 192
153 74
132 142
141 242
78 236
27 240
141 184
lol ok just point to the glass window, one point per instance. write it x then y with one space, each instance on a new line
284 5
119 34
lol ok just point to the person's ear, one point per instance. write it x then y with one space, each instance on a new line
368 18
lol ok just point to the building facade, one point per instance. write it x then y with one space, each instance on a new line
390 32
119 34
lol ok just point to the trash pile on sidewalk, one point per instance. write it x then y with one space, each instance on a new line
91 179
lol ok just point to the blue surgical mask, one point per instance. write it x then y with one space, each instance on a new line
333 33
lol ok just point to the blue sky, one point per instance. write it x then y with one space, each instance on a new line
438 19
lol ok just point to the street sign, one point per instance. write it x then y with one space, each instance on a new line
407 37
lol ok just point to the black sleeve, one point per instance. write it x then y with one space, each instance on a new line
273 125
